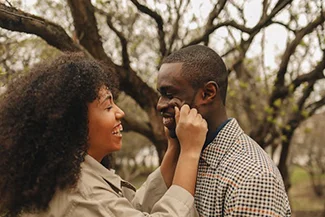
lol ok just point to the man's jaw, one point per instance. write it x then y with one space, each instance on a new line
169 122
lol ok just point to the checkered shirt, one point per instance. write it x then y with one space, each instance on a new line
237 178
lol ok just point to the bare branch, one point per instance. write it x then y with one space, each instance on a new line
313 107
17 20
278 7
306 93
312 76
86 28
160 24
240 8
215 27
175 26
215 12
290 50
267 20
229 52
285 25
9 3
265 7
120 35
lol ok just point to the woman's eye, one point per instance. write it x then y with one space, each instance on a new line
109 108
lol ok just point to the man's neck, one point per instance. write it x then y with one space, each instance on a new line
220 119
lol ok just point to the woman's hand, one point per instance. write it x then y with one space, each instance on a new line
191 129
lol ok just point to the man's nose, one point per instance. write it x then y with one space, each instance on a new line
162 104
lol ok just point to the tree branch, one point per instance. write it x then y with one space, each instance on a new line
160 24
215 27
291 49
313 107
17 20
86 28
285 25
215 12
265 20
120 35
311 77
176 26
306 93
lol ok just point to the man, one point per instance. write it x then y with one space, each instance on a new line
235 176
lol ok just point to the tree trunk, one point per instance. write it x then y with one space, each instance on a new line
283 164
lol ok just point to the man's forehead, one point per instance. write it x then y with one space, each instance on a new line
170 68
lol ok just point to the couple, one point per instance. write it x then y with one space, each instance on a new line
59 122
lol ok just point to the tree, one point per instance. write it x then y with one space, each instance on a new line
273 100
308 151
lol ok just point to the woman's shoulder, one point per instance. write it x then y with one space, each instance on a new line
95 179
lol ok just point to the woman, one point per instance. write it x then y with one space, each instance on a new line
56 125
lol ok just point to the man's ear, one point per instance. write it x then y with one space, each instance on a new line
210 91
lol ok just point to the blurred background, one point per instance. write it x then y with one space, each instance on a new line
274 51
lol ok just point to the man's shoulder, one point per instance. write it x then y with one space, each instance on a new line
247 159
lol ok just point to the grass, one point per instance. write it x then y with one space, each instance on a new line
301 194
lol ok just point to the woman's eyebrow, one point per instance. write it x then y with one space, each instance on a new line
108 97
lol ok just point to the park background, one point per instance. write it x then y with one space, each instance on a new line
274 51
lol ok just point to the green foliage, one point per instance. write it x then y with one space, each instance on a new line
270 119
284 138
253 106
277 103
287 127
291 88
243 85
295 108
269 110
304 113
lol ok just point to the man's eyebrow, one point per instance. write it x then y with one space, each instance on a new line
165 88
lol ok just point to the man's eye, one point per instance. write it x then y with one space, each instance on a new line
169 95
109 108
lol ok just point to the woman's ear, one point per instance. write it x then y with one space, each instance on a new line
210 91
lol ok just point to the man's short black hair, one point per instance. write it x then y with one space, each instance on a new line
200 65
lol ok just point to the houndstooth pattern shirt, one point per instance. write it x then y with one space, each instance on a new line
237 178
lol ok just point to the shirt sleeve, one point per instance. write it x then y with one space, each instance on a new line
175 202
261 195
150 192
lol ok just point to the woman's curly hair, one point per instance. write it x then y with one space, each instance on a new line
44 130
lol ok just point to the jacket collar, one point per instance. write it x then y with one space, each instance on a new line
222 143
108 175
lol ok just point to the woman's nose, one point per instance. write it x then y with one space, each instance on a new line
119 113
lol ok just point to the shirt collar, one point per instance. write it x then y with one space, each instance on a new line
221 144
95 167
206 143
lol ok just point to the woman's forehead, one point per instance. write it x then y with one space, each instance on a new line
104 92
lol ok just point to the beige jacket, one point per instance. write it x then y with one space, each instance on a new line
100 193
